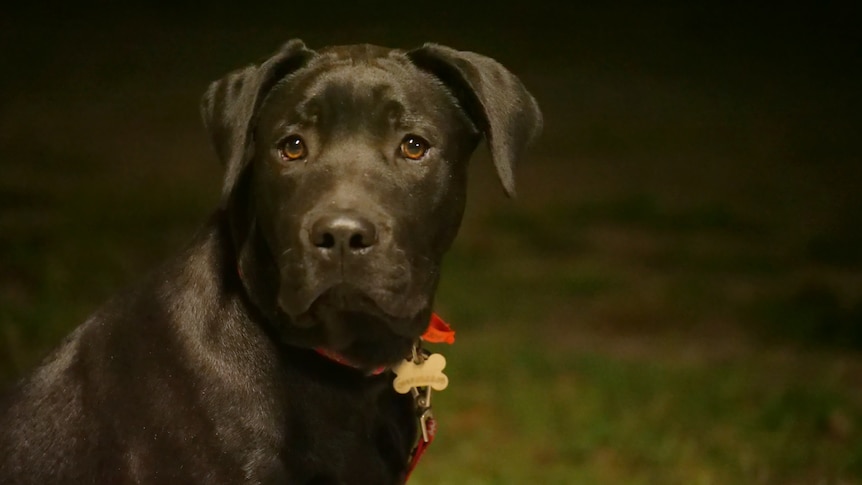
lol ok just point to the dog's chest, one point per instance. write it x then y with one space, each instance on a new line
341 427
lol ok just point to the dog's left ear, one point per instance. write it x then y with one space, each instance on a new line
494 99
229 105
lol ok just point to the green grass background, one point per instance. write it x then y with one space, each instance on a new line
674 298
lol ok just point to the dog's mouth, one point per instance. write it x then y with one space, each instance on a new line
346 313
350 322
368 311
389 297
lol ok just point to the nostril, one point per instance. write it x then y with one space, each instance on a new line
325 241
359 241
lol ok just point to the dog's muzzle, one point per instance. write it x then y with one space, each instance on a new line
349 262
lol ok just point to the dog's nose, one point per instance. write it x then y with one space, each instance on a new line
344 233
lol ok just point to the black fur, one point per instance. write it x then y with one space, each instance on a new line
205 372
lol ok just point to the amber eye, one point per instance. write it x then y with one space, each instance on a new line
414 147
292 148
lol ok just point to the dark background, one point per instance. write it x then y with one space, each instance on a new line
692 210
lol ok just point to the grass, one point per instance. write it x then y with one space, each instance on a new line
665 346
529 416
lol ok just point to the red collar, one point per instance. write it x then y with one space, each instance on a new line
340 359
438 331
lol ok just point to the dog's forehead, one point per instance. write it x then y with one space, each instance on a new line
364 66
357 52
356 81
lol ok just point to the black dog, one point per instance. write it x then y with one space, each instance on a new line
345 174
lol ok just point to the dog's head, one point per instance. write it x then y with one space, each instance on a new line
345 179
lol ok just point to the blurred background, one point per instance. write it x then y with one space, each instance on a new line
675 297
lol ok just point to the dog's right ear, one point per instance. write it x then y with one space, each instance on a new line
229 106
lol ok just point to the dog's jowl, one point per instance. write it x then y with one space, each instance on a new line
264 352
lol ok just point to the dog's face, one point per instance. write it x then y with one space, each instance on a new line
359 182
346 180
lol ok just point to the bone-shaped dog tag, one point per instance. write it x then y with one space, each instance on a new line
427 373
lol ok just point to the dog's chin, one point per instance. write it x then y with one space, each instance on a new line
352 323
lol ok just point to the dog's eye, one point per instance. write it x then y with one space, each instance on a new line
292 148
414 147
